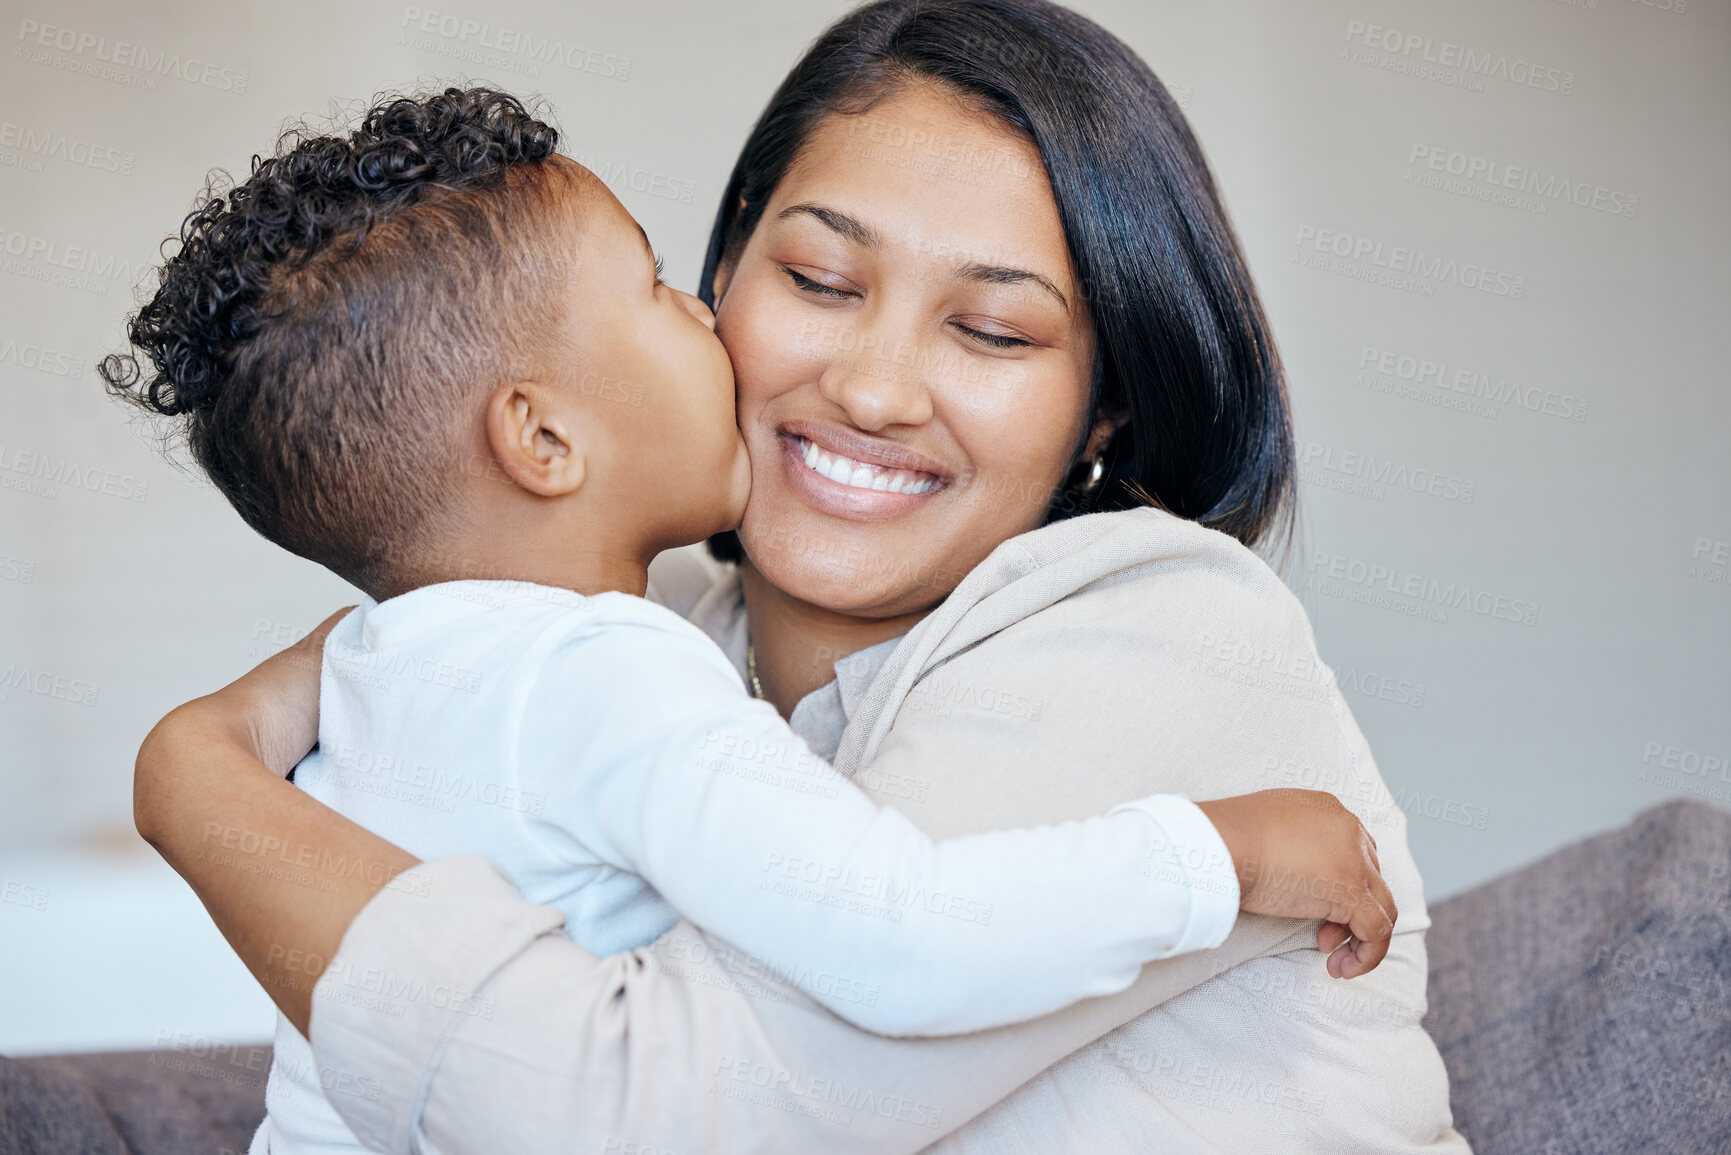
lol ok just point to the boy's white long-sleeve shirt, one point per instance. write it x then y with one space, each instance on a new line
602 752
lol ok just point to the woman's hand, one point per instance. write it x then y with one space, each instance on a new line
277 702
269 715
1302 854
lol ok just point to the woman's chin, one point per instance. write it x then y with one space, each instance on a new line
838 571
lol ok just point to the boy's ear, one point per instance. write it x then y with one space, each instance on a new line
533 441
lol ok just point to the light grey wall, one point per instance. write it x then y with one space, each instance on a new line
1513 397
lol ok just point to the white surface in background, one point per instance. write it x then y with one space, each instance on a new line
114 953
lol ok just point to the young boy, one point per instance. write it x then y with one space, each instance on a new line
384 350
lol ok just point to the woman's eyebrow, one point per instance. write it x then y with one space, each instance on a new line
853 230
1007 275
863 235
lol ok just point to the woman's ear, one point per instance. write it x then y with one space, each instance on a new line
724 268
718 286
532 440
1105 427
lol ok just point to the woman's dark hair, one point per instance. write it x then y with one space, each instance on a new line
1184 351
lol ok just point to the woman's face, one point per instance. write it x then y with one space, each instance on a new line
912 355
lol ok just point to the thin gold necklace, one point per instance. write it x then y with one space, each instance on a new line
751 670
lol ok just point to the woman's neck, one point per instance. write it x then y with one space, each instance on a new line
798 643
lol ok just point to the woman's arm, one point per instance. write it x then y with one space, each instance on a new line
281 874
1124 687
667 1045
686 1045
462 998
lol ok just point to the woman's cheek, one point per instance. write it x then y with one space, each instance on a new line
993 392
768 352
1019 438
999 504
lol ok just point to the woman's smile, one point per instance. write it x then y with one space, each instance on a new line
858 475
838 471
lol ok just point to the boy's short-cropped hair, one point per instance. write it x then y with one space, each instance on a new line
321 324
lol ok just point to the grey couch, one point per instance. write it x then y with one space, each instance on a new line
1582 1004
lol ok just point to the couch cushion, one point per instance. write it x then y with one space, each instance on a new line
133 1103
1583 1003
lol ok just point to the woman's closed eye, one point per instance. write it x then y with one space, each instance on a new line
995 340
816 288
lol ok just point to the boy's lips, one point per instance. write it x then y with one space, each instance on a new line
843 473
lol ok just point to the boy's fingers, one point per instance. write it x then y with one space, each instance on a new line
1337 960
1372 930
1385 899
1360 957
1330 935
1369 916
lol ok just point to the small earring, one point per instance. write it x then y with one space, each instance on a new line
1096 474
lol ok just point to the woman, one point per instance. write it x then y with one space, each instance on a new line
973 240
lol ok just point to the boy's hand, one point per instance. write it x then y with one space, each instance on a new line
1301 854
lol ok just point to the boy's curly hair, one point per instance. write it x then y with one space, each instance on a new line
321 324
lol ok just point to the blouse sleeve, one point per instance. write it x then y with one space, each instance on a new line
484 1030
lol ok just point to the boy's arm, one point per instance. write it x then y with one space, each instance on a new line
711 797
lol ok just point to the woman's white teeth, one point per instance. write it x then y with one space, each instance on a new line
858 475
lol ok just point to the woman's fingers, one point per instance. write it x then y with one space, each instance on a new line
312 647
276 704
319 632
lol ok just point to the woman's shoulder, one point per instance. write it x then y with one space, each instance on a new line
680 578
1159 655
1132 605
1141 566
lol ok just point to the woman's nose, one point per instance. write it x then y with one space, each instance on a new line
877 383
696 308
